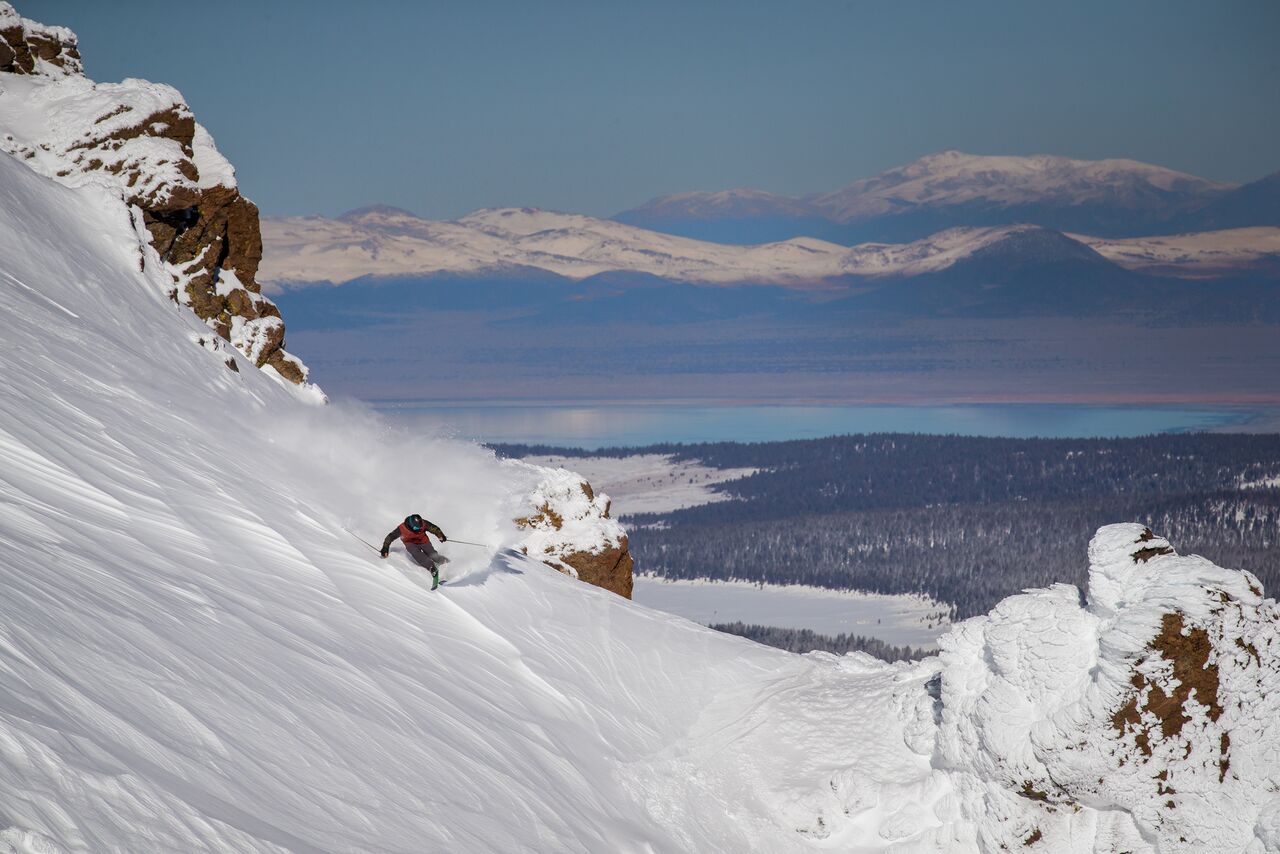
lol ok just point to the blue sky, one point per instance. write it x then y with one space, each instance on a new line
595 107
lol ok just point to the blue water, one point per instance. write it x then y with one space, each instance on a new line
600 425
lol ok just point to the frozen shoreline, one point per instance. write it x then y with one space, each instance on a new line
648 483
912 620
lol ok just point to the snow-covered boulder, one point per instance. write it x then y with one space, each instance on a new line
1147 715
569 529
141 141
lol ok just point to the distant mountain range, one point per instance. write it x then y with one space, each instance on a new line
1013 245
382 241
1106 198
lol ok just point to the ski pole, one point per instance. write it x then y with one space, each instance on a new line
352 533
465 543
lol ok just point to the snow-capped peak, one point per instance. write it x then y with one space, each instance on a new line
953 178
377 213
574 245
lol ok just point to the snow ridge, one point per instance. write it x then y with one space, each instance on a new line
952 178
384 242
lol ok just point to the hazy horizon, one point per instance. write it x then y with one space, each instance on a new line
441 109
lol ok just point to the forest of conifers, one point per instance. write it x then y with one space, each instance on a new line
964 520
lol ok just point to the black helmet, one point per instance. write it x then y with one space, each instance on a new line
414 523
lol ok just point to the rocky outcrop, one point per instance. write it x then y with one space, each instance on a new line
611 568
570 530
142 140
25 44
1153 702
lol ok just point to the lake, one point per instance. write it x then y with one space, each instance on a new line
595 425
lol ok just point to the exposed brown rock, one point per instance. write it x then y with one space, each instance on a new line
610 569
20 46
1224 756
1189 656
1249 648
1145 555
289 368
1031 793
544 514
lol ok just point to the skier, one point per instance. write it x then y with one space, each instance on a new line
413 532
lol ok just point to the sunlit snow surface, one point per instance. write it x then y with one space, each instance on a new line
910 620
194 656
650 483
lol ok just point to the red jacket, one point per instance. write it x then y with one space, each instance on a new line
411 537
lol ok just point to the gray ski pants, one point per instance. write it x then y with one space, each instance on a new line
424 554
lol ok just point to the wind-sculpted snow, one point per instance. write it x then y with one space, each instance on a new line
1143 720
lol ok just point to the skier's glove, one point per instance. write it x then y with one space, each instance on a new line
443 538
384 554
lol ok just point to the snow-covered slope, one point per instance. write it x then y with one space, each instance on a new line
386 242
953 178
197 657
1206 254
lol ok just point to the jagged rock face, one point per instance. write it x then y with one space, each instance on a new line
611 568
570 530
1156 704
23 43
142 139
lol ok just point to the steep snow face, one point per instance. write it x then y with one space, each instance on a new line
197 657
953 178
383 242
1208 254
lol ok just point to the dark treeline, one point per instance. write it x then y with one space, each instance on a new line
889 471
970 556
804 640
964 520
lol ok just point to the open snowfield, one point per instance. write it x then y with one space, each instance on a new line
649 483
897 620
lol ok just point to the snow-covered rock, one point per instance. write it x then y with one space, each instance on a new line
1145 715
140 141
570 529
